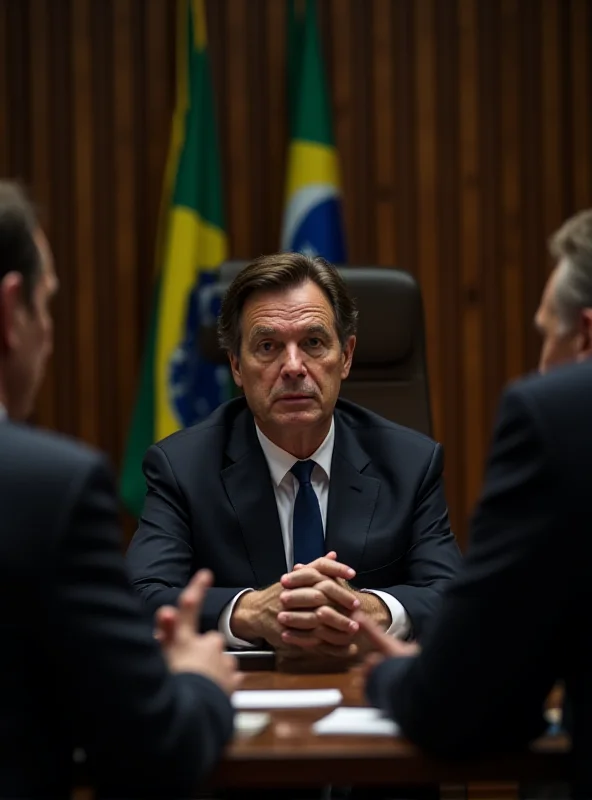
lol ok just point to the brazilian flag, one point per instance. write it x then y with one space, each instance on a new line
178 387
313 220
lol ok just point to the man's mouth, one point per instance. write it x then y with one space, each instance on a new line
294 396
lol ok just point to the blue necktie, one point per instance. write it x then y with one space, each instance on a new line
307 530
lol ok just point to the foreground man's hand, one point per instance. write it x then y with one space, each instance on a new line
380 644
188 651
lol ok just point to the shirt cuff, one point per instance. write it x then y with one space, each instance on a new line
224 624
400 623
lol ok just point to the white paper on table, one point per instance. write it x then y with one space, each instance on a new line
249 653
285 698
367 721
251 722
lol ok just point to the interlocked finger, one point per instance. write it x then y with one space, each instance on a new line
340 595
331 618
301 620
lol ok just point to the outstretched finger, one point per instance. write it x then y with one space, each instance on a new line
385 644
165 624
191 602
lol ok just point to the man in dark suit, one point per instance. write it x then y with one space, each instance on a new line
304 506
517 618
80 665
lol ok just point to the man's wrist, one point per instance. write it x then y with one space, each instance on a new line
375 608
243 622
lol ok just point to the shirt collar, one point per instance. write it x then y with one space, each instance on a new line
280 462
3 414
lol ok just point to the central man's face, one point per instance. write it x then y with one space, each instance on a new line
291 362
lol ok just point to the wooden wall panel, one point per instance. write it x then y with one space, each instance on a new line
464 130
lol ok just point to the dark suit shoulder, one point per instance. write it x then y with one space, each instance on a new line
555 409
565 387
44 453
42 478
362 420
558 405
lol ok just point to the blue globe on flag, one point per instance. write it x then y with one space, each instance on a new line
313 224
197 386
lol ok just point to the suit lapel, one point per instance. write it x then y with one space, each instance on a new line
251 494
352 498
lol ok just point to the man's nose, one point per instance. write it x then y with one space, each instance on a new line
293 365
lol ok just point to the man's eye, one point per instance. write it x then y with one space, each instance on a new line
266 347
314 341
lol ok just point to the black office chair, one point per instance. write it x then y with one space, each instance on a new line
389 372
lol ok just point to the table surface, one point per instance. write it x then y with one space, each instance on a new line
288 753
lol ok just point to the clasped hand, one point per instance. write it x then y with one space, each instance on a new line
316 604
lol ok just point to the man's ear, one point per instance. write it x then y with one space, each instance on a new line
235 367
348 354
585 335
12 310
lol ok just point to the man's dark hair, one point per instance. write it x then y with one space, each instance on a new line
18 249
283 271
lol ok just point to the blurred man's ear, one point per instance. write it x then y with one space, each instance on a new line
585 335
12 309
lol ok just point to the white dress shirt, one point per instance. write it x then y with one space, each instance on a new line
285 487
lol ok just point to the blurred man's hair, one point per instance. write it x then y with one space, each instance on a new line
571 246
18 250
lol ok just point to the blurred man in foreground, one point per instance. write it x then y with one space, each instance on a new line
517 618
80 665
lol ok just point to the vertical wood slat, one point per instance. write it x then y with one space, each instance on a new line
362 247
471 286
406 143
4 89
463 132
107 383
61 136
511 219
275 111
533 262
384 140
84 169
552 117
427 184
257 157
490 207
124 304
580 96
17 111
40 109
342 91
447 265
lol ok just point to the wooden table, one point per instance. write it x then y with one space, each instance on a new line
288 754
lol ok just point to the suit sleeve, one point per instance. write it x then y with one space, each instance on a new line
433 557
492 655
161 558
142 727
